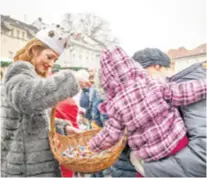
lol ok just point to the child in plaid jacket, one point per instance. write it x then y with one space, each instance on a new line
145 107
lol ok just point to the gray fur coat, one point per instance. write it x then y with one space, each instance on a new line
25 100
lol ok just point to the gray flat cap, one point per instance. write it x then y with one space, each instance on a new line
151 56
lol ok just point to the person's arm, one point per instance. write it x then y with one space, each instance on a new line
84 98
109 135
185 93
28 93
96 114
61 125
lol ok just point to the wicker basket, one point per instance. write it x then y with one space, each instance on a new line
83 165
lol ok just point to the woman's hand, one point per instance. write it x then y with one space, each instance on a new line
82 80
71 130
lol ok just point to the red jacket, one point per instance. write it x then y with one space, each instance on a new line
67 110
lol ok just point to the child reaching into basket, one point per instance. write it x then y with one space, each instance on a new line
145 107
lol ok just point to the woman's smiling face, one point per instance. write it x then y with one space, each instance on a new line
44 60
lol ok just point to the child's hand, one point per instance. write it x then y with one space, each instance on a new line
87 149
57 141
72 130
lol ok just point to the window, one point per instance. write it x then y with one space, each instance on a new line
12 33
73 56
23 35
18 33
11 54
6 32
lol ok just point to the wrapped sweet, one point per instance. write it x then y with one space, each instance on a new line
80 152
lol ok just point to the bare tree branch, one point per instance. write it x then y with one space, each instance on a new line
102 44
91 26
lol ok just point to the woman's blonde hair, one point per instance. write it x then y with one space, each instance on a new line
25 54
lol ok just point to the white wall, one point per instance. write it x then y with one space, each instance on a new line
79 57
182 63
11 42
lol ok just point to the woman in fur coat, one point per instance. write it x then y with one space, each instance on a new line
27 95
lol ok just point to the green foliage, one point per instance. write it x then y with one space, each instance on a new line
5 63
58 67
55 67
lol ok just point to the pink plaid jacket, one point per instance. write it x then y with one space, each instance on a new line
147 108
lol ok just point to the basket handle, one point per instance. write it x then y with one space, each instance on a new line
52 121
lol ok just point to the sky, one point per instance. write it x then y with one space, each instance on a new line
164 24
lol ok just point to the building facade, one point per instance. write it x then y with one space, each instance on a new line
79 54
182 58
14 35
